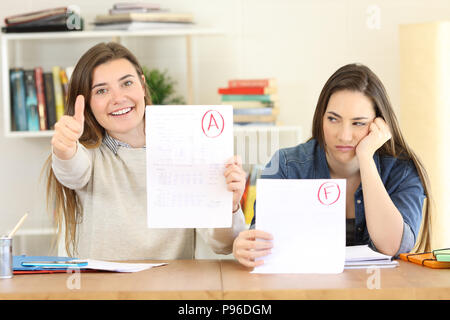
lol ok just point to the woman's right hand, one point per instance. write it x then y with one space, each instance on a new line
246 247
68 130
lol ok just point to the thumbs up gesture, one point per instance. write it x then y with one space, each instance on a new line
68 130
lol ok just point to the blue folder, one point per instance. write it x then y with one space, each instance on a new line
17 262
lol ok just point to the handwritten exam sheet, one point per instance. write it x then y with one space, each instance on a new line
307 221
187 147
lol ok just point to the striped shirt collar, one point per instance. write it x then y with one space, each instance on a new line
114 144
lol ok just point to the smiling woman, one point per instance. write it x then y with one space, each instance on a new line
117 101
97 169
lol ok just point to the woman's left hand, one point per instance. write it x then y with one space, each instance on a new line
235 178
379 133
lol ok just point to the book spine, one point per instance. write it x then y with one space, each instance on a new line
65 86
247 90
251 104
32 16
254 118
31 101
38 74
250 83
57 87
18 100
50 100
249 97
255 111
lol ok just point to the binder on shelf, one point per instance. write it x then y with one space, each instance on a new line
18 100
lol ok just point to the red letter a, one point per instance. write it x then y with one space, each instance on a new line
211 119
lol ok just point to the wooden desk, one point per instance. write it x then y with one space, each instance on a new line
180 279
226 279
407 281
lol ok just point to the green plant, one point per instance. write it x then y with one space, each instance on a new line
161 87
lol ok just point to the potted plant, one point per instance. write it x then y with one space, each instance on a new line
161 87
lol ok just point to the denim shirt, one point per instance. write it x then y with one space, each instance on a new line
400 178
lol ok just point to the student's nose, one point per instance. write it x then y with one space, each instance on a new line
117 96
345 133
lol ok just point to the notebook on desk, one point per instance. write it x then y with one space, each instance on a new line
358 257
19 268
92 265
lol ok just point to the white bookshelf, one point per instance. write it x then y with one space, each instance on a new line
11 42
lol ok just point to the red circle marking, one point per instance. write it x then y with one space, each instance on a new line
331 184
223 124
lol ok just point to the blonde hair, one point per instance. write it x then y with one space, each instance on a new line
68 211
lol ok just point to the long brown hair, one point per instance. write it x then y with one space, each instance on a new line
357 77
67 207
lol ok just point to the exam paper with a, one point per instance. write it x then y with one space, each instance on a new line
187 147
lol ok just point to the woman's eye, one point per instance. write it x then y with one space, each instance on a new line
359 124
100 91
332 119
128 83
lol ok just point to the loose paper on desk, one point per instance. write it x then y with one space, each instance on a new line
307 220
187 148
358 257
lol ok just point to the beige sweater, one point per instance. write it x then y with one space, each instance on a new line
112 190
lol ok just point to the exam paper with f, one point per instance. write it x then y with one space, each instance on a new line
187 148
307 221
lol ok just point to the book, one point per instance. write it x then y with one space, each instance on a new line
248 90
254 118
361 256
57 88
141 25
136 5
269 82
147 16
250 97
256 111
35 15
31 101
50 100
64 85
133 10
42 28
50 20
252 104
18 100
39 78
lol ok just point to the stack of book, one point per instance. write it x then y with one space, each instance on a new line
38 98
54 19
141 16
254 101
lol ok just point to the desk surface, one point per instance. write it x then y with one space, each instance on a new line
226 279
407 281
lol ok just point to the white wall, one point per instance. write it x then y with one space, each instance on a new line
300 42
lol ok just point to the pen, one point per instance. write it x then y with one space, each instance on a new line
11 234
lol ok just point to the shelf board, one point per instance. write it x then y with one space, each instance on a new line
236 129
29 134
111 33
